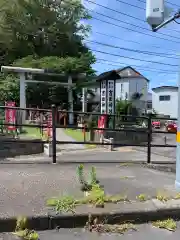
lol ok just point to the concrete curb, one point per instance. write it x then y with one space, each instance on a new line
154 164
48 222
163 167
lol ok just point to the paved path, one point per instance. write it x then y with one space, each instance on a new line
62 136
25 188
158 138
97 155
144 232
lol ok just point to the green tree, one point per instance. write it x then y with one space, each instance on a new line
45 34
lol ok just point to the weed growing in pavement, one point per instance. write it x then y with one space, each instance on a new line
141 197
126 164
93 176
65 204
85 185
22 232
97 198
162 197
124 177
177 196
102 227
168 224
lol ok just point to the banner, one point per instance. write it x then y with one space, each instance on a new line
49 125
101 123
10 115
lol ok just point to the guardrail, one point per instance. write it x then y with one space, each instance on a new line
110 143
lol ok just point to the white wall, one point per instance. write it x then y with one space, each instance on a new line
122 89
166 107
139 85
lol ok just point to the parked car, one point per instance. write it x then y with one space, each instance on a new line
171 127
156 124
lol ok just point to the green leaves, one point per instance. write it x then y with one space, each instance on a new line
43 34
67 64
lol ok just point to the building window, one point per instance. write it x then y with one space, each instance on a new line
149 105
126 96
121 87
164 98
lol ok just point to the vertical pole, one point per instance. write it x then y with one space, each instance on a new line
53 133
84 100
70 100
177 182
149 140
22 97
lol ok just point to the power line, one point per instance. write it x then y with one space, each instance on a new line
147 34
132 5
125 14
164 55
140 67
137 59
173 4
128 40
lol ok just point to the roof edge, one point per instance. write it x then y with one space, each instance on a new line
164 87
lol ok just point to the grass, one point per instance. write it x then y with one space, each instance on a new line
77 134
31 132
97 198
168 224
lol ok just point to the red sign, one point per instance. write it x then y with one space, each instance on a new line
10 115
49 125
101 123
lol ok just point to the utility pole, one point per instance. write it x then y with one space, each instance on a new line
155 17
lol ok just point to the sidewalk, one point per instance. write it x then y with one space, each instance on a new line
61 136
92 156
24 189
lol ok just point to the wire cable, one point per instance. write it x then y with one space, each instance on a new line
137 66
131 41
125 14
138 59
147 34
164 55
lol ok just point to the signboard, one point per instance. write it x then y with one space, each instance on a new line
10 115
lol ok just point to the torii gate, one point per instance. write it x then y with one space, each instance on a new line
23 73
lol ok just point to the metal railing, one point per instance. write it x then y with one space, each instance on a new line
148 130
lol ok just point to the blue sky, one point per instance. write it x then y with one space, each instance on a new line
125 38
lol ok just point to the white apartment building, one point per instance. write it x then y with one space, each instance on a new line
165 100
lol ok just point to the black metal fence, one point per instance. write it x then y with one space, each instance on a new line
85 121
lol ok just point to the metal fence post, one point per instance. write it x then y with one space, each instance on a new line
149 139
53 133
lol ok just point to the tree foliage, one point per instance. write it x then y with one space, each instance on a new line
43 34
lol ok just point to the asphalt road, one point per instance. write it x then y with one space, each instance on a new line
145 231
159 139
